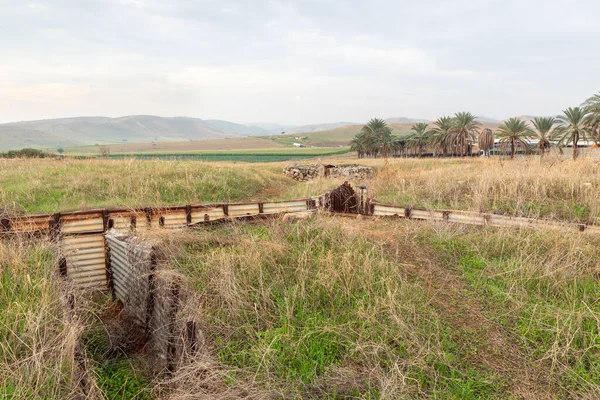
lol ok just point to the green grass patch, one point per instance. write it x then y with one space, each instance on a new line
295 304
540 286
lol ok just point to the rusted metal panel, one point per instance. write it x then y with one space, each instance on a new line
502 220
122 221
285 207
240 210
342 199
382 210
430 215
31 223
172 219
130 265
86 259
82 223
461 217
203 214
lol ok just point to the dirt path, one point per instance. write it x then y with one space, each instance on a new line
486 343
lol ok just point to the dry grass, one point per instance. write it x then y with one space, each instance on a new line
563 190
36 340
554 189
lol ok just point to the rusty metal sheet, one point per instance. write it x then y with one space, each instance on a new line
201 214
82 223
430 215
382 210
502 220
122 220
240 210
131 266
284 207
86 259
463 217
173 219
32 223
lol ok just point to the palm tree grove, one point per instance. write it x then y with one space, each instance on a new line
459 135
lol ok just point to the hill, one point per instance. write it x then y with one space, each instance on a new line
278 128
78 131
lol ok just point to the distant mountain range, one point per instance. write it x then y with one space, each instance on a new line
80 131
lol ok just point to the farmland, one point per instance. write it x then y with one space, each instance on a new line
327 307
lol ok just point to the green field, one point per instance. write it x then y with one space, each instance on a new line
258 155
327 307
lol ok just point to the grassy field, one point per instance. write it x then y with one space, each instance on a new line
249 143
330 307
35 341
51 185
256 155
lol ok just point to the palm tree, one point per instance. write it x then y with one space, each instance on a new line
441 133
546 130
420 136
485 141
358 144
592 119
514 131
464 131
373 139
572 128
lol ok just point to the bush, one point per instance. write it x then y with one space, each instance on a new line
26 153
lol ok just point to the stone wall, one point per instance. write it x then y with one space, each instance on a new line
313 171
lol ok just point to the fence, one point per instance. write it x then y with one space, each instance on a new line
82 233
469 217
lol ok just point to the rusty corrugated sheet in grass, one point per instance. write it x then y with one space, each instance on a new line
85 259
277 207
131 267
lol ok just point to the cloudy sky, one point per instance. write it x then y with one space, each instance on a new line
296 62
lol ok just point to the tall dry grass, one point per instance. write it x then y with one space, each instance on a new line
37 338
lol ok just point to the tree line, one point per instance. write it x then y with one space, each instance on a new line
456 135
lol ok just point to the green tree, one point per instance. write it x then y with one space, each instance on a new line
513 132
592 118
547 130
374 139
464 132
441 136
420 136
573 128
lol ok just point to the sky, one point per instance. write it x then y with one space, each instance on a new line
296 62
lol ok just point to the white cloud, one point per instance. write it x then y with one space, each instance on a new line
298 62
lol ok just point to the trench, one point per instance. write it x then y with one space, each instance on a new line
148 308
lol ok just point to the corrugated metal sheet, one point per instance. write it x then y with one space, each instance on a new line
284 206
200 214
122 220
173 219
130 265
82 223
382 210
466 218
31 223
430 215
86 259
239 210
